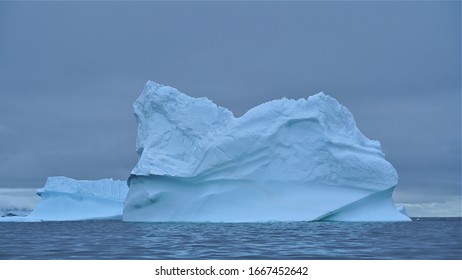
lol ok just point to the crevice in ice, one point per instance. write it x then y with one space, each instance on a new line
373 207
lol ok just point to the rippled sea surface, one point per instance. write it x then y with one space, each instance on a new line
420 239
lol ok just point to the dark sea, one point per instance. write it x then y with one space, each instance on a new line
424 238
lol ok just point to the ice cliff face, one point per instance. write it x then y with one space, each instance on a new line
284 160
66 199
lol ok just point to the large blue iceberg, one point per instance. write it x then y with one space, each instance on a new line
284 160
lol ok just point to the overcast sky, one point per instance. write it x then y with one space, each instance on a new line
70 72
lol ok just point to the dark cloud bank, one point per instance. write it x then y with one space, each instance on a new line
70 72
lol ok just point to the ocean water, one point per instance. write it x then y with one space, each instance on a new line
421 239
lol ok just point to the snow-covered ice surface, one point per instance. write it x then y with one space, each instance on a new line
66 199
284 160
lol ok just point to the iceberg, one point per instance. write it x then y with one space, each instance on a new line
284 160
66 199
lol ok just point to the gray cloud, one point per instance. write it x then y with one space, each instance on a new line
70 72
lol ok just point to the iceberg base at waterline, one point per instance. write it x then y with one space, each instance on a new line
157 199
